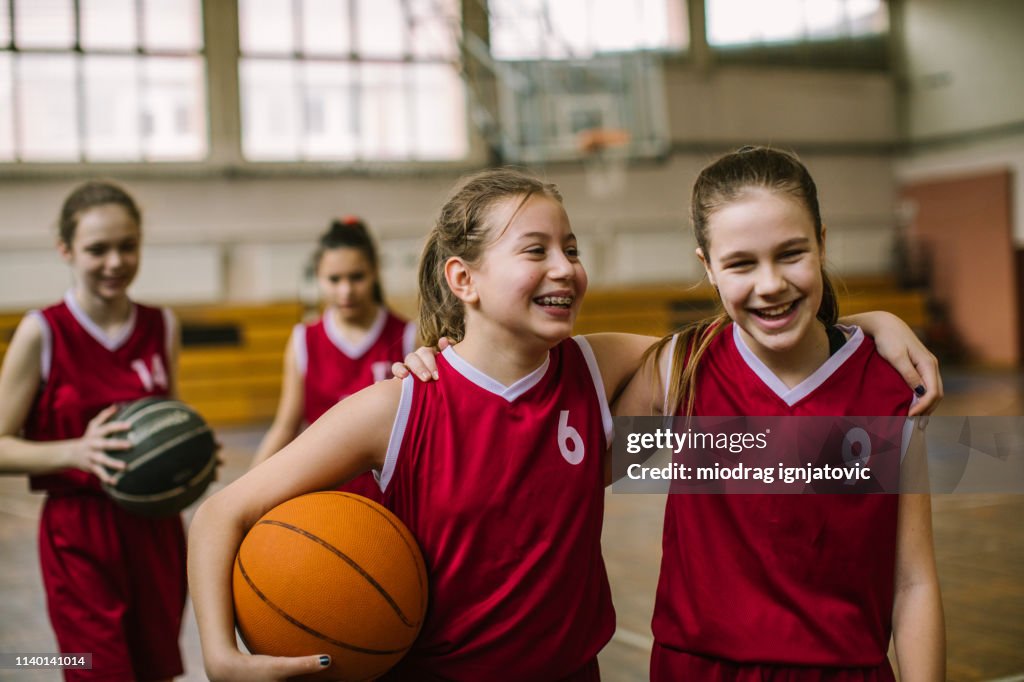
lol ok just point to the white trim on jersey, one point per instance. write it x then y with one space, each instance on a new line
791 396
409 339
357 350
595 375
111 343
298 342
397 433
491 385
46 348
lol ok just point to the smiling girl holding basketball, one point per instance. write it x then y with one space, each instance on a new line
510 533
115 583
498 469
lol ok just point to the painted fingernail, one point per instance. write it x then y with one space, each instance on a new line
920 390
325 661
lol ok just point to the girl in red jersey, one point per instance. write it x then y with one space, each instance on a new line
779 587
511 534
351 346
115 583
498 469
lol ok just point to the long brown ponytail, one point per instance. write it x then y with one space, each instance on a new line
719 184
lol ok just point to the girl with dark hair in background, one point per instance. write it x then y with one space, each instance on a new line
351 346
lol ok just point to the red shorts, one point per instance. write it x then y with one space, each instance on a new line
673 665
115 587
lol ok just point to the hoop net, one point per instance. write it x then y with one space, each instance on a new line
605 153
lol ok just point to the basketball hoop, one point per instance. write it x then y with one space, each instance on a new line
605 153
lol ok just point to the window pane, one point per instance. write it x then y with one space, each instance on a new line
739 22
440 113
613 26
435 28
174 109
5 23
111 86
533 29
108 24
380 28
266 26
326 27
516 28
663 24
6 107
867 17
47 107
44 23
384 112
570 34
824 19
329 111
270 112
172 25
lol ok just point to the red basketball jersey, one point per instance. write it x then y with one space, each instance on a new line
795 580
503 488
84 371
332 369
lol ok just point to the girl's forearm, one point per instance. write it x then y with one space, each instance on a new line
919 633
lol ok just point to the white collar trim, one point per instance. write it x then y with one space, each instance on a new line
791 396
354 350
111 343
509 393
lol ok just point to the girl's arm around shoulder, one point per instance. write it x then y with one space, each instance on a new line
349 439
897 343
918 624
644 394
618 357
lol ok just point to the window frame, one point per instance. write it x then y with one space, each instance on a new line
221 55
19 167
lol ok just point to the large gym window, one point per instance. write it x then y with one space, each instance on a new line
744 23
351 80
566 29
101 80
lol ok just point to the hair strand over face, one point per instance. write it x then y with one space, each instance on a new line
462 230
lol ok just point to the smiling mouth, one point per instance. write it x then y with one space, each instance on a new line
776 312
555 301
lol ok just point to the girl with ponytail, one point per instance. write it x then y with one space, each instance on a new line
498 469
783 587
349 347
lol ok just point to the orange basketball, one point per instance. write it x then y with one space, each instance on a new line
331 573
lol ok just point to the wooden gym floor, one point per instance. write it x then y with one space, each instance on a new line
979 544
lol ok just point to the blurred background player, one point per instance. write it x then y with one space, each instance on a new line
349 347
115 582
